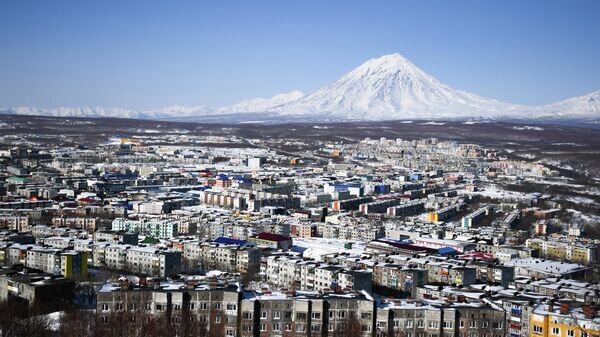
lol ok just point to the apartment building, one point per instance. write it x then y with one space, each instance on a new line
412 318
15 222
571 250
224 255
144 260
213 306
121 237
90 224
156 228
38 289
65 262
393 279
446 213
410 208
564 320
273 241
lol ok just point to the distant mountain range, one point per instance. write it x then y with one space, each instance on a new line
385 88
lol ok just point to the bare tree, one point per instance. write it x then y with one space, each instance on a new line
16 320
349 327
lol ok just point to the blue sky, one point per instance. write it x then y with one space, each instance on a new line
149 54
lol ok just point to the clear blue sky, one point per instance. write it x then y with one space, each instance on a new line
149 54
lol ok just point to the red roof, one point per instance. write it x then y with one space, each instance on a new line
272 237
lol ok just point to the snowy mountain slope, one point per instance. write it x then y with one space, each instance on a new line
385 88
586 106
263 104
76 112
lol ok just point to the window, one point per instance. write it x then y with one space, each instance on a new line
263 315
341 314
315 315
571 333
231 306
538 329
555 331
420 324
263 327
217 319
366 315
409 323
447 325
365 328
276 327
433 325
472 324
288 327
247 315
315 328
105 307
276 314
462 324
485 324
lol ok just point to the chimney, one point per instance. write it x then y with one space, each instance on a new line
589 312
565 308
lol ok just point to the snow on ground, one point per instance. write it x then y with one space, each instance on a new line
579 200
527 127
493 191
585 217
557 182
567 144
316 247
556 163
433 123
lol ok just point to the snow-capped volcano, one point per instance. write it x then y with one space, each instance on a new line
391 87
385 88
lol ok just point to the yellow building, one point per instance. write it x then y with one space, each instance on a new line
563 321
432 216
570 251
74 265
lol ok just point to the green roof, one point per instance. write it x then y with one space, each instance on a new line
18 179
